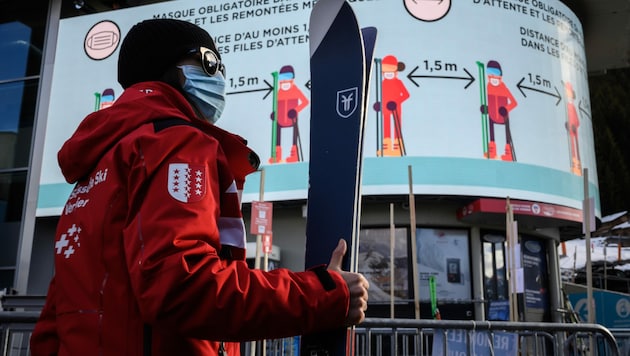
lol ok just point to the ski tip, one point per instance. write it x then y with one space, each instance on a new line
322 17
369 35
369 31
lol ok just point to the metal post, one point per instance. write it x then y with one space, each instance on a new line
587 233
414 251
392 250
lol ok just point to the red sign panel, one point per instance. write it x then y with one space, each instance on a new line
262 213
520 207
266 244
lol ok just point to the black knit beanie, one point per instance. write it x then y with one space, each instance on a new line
152 46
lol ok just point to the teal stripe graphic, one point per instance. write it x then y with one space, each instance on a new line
443 173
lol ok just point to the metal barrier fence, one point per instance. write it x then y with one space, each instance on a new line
378 337
393 337
623 340
15 329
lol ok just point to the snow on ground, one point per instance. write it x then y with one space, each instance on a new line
600 252
602 249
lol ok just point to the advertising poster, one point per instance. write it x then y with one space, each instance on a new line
444 254
374 263
535 274
482 98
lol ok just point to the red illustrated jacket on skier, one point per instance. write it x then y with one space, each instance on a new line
499 96
393 90
150 246
573 119
292 99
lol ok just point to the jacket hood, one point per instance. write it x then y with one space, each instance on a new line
139 104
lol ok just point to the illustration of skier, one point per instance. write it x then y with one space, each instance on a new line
499 101
392 92
105 99
288 102
572 124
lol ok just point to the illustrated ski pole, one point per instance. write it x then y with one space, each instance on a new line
509 137
379 113
299 140
274 123
483 98
398 128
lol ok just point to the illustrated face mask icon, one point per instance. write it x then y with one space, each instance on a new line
427 10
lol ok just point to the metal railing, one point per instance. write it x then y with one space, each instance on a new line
393 337
15 330
378 337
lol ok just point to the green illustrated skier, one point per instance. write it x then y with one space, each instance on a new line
392 93
497 105
289 101
572 124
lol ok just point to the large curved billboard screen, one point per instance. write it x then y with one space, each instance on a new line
481 98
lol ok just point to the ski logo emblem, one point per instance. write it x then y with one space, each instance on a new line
186 182
347 102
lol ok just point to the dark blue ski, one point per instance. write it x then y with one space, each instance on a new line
341 58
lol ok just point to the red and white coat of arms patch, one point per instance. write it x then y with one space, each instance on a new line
187 182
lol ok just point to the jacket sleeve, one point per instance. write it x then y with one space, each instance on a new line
44 340
172 255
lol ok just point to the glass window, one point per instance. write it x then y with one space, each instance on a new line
22 26
444 254
15 41
6 277
22 29
495 277
375 263
535 274
17 112
12 187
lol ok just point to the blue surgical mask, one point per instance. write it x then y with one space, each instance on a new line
207 92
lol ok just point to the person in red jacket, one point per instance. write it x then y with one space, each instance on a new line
150 246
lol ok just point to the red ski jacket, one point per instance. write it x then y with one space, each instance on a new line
292 99
150 246
499 97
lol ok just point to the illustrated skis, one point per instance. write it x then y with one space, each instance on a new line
483 98
379 113
341 61
274 123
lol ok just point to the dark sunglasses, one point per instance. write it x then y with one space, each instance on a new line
210 62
